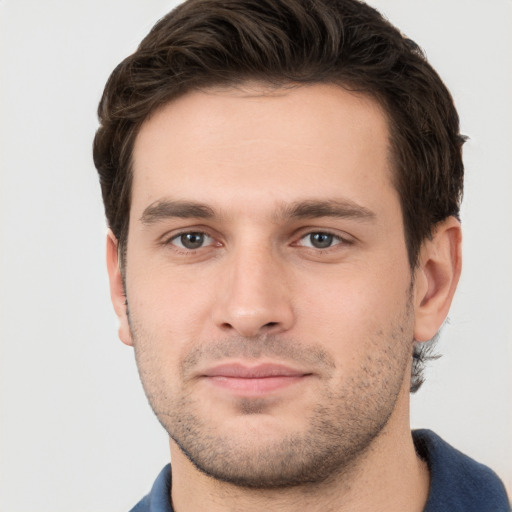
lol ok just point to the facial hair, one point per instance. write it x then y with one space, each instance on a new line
333 433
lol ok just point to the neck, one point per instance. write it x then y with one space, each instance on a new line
389 476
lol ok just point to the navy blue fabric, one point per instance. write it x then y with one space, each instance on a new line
158 500
457 483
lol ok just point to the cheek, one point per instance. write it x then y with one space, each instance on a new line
351 307
172 307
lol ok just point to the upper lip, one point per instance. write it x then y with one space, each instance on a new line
259 371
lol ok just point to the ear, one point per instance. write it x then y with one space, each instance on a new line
436 278
117 293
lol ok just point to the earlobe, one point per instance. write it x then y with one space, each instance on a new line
117 292
436 278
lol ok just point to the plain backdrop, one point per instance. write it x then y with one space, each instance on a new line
76 433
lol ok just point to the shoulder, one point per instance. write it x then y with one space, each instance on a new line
158 499
457 482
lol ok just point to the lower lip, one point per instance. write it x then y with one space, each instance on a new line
255 386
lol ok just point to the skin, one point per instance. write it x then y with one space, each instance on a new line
265 230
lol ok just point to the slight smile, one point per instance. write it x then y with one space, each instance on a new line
254 380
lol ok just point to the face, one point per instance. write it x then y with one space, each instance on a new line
267 280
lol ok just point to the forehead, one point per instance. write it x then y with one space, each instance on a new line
257 143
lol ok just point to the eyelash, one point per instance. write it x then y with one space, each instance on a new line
334 240
171 240
339 240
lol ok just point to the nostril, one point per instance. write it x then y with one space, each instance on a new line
270 324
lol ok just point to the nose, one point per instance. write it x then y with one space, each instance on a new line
253 297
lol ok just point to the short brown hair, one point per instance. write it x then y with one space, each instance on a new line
205 43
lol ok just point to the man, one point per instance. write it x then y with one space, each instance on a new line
282 182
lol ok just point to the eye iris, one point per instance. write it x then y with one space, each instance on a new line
192 240
321 240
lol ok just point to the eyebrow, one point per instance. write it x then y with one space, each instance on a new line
307 209
167 209
311 209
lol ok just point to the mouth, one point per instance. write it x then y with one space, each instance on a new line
244 380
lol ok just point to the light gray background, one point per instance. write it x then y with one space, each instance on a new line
76 432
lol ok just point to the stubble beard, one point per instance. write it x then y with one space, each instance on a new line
340 430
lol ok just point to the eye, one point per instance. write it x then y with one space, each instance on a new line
320 240
192 240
